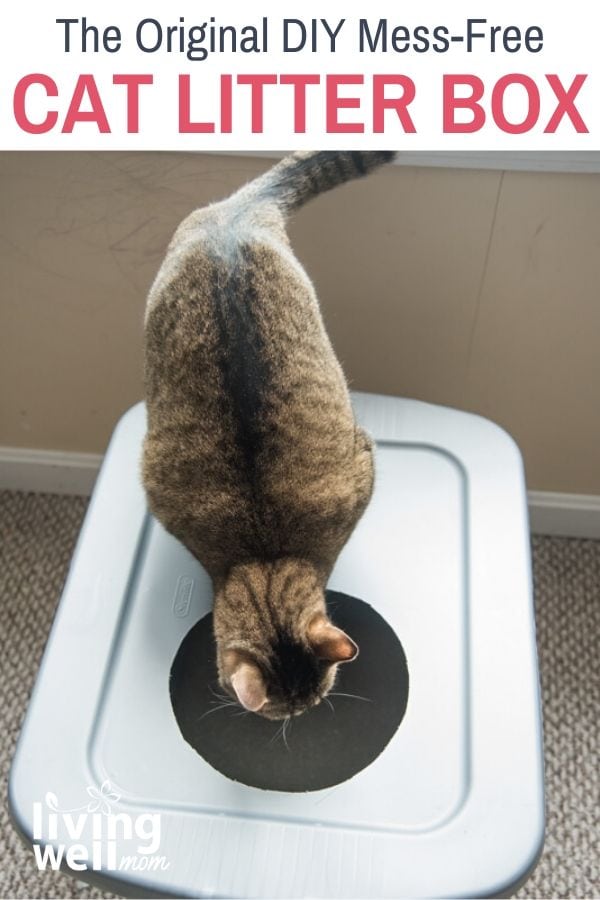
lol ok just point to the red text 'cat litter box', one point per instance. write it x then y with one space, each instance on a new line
421 778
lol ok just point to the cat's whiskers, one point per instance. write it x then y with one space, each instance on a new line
277 733
354 696
286 722
329 704
217 708
218 695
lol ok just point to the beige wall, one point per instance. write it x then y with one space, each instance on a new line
474 289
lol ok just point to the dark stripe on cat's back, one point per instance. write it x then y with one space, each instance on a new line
358 160
242 355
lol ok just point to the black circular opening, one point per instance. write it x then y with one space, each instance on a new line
321 747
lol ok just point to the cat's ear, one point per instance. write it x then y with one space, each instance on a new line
330 643
249 686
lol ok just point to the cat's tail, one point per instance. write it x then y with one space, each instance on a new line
303 175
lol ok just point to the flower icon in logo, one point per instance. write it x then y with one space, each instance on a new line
100 798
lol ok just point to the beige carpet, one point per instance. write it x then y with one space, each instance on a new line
37 533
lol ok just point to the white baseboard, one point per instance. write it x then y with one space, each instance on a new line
48 471
55 472
566 515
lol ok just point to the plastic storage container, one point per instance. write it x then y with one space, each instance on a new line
453 807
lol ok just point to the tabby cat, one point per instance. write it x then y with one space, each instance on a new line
252 456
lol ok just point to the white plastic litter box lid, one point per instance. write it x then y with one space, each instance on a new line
452 807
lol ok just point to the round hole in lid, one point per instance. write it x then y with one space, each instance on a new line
322 747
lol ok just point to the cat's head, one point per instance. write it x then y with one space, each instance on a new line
277 650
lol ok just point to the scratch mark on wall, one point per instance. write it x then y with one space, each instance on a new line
481 285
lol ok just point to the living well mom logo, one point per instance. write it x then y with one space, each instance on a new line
93 837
